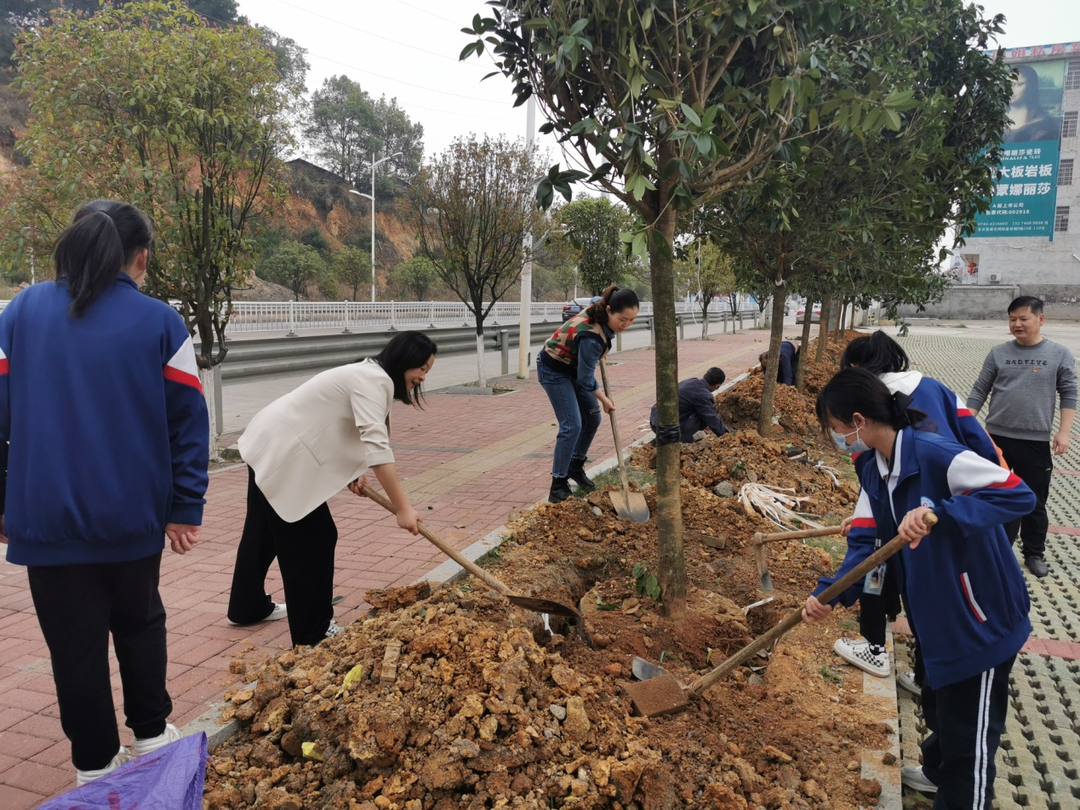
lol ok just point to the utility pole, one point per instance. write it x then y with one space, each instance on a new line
525 322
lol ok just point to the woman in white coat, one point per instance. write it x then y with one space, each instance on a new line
302 449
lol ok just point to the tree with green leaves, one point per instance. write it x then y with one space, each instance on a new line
415 278
190 136
593 225
347 127
294 265
351 267
669 106
472 205
708 272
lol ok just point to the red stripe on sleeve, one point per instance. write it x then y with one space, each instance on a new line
963 412
183 378
864 523
4 366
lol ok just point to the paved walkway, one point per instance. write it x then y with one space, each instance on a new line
466 460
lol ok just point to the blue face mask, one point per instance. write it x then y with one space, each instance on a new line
856 447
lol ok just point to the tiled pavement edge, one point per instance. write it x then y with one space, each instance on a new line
1039 758
466 460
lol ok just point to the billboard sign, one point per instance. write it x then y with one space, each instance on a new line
1026 191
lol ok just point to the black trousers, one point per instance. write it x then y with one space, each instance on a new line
1032 461
305 555
78 606
876 610
965 721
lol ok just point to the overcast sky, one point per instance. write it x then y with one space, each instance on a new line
408 49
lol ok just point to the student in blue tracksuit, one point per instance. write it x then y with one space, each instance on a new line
946 415
788 362
965 594
101 404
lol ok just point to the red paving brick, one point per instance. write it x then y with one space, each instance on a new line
475 498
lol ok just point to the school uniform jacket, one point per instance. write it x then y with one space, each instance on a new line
965 594
107 424
310 443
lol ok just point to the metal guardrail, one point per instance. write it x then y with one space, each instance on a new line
310 353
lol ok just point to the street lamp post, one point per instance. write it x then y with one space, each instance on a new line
371 197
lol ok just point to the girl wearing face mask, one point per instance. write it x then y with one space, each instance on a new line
965 595
945 414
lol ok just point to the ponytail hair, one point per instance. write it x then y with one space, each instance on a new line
856 390
877 353
104 238
619 301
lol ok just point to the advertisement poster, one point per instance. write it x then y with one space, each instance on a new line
1025 195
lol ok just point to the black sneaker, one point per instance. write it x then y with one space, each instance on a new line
578 476
560 490
1037 566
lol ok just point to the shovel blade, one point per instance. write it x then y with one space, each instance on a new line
630 505
548 606
644 670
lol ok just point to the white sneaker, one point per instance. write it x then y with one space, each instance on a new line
859 654
906 681
279 612
170 735
122 756
334 629
912 776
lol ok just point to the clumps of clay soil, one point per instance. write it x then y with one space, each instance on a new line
455 699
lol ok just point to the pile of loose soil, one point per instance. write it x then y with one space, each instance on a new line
454 699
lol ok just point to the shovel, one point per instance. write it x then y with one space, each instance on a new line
665 695
630 505
528 602
759 548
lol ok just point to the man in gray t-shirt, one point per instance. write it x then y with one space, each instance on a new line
1023 379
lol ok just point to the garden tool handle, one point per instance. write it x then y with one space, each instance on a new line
615 430
792 619
454 555
824 531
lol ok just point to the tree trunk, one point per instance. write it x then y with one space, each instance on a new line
671 572
206 380
823 326
481 374
804 353
705 318
776 337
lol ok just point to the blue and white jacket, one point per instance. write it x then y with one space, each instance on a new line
106 422
962 586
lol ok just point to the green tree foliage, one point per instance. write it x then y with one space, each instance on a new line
593 225
415 278
684 102
189 136
294 265
707 272
472 205
346 127
351 267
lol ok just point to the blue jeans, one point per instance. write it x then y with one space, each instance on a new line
578 412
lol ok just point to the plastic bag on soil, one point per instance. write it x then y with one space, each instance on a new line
170 778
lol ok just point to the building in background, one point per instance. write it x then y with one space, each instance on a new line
1031 236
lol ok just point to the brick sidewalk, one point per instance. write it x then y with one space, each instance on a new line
466 460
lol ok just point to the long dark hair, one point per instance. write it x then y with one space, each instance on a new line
103 239
1030 100
877 353
618 300
406 350
856 390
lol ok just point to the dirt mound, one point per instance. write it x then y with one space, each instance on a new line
457 700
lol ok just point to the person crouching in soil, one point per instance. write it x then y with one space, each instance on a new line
963 588
300 450
566 368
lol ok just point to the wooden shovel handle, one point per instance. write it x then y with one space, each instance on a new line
615 432
824 531
457 557
830 593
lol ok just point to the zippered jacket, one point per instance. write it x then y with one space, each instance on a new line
107 425
965 595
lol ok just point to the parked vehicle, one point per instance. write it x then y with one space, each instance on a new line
815 314
572 308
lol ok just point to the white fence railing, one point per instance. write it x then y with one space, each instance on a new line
359 316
